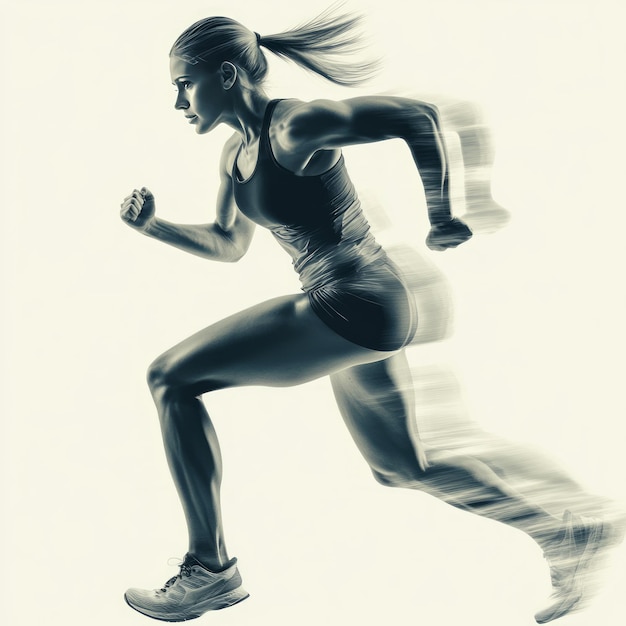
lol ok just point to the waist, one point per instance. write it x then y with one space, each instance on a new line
364 271
323 264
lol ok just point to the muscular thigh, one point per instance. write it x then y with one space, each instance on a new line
377 404
280 342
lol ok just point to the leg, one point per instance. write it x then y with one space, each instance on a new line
376 401
445 426
277 343
444 423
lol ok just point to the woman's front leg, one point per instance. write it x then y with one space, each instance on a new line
193 455
276 343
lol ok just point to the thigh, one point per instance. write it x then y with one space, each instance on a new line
376 401
280 342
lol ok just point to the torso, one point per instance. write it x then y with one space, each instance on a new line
301 164
315 215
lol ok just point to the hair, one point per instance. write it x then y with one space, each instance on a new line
320 45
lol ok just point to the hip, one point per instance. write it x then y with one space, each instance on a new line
371 307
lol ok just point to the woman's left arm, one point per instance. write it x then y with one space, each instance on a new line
327 124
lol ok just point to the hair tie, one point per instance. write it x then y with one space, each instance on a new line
258 38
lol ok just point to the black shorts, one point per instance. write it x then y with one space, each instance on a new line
372 307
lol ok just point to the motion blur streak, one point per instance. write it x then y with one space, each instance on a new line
484 473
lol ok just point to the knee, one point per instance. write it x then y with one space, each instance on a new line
160 375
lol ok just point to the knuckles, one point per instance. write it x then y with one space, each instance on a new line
132 206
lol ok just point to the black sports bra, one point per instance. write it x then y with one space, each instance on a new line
273 196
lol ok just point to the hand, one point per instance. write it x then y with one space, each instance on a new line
448 235
138 209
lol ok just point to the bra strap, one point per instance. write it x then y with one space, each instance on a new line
265 128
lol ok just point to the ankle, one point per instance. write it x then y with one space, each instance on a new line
211 562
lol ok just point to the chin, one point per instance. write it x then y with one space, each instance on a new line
202 128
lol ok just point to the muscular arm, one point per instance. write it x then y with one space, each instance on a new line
326 124
227 239
209 241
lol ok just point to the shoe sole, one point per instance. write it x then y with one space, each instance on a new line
214 604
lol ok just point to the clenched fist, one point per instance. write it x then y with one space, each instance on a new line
448 234
138 209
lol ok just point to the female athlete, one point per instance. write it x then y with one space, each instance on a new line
283 170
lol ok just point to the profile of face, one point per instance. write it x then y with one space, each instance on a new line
201 93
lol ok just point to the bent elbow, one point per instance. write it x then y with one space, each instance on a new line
236 250
235 255
427 109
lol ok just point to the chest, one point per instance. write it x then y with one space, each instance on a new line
272 197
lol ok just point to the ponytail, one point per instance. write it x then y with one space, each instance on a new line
324 45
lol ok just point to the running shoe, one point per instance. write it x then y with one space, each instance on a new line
191 593
571 565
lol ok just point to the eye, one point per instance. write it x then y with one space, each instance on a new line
183 85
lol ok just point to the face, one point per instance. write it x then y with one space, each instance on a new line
200 94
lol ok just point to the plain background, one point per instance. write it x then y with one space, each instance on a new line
87 116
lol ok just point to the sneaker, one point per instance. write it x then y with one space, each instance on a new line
194 591
570 560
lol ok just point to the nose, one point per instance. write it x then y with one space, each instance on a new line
181 101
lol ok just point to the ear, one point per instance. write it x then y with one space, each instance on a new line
228 72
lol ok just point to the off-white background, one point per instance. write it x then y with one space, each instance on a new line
89 507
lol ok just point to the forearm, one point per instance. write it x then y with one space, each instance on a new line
425 141
424 138
208 241
417 123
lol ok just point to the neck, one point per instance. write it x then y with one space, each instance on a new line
247 112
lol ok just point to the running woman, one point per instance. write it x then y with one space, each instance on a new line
283 170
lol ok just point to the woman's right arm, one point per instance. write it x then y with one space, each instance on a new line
227 239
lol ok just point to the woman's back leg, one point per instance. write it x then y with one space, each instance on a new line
377 403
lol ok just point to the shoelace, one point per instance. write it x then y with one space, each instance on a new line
185 570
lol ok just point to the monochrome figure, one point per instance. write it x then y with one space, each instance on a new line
283 170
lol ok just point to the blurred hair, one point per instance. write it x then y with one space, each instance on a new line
323 45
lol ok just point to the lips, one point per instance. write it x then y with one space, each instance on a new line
191 118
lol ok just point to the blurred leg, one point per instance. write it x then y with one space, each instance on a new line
376 401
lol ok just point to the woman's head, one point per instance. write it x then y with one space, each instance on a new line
218 53
214 40
323 45
207 61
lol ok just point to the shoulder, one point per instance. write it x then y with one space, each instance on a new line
301 121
